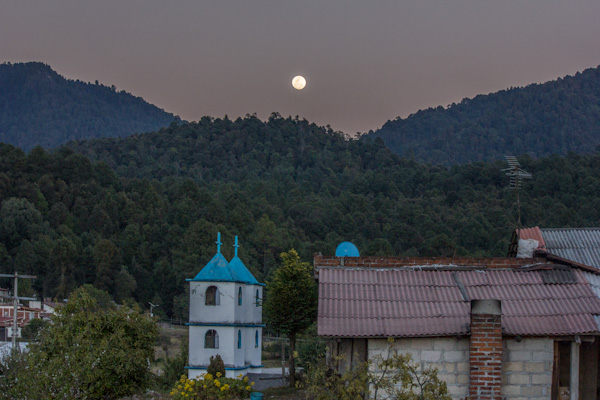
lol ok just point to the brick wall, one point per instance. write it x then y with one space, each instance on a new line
485 357
390 262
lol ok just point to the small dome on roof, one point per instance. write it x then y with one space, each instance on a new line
346 249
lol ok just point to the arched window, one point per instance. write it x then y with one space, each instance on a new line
257 298
211 339
256 339
212 296
239 339
240 297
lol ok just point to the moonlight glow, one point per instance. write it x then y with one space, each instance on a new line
298 82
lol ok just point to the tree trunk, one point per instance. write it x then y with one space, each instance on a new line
292 337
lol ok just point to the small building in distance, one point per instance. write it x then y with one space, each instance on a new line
495 328
225 316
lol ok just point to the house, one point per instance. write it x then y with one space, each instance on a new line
581 245
225 317
495 328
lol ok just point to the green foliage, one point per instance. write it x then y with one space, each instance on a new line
41 107
88 352
279 184
216 367
212 387
386 376
173 367
291 301
33 330
556 117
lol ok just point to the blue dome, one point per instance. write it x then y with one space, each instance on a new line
346 249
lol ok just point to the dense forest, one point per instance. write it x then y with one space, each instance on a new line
38 106
552 118
136 216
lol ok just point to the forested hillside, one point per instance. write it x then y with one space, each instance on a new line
552 118
38 106
140 231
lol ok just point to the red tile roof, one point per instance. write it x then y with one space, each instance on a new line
399 298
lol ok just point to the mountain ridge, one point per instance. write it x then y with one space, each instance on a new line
554 117
40 107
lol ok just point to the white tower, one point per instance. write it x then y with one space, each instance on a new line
225 316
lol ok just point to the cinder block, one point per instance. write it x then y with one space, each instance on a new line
519 379
449 367
458 391
542 356
462 367
531 391
521 355
455 356
445 344
541 379
535 367
448 378
423 344
462 379
431 356
511 390
513 366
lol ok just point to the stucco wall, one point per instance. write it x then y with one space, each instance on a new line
449 355
527 369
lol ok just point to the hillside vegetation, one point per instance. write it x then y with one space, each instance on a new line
136 216
38 106
541 119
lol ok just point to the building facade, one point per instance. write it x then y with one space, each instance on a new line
225 317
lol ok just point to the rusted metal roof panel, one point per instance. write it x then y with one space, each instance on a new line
581 245
533 233
374 302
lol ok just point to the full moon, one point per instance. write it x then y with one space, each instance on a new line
298 82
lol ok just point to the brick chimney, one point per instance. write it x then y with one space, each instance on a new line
485 352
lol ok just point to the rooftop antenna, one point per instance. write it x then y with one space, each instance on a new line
516 174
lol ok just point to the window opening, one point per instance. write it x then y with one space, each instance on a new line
212 296
239 339
240 297
211 339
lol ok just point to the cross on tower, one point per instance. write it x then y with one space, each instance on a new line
218 242
236 245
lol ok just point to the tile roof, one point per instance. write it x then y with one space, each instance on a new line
371 301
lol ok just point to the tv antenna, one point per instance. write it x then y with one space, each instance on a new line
516 174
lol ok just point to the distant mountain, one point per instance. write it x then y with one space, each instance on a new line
556 117
38 106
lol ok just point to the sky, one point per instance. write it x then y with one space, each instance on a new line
365 62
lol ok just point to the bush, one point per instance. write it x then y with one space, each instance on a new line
216 366
209 387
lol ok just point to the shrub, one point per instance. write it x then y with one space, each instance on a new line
209 387
216 366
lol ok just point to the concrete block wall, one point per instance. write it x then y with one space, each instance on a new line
527 369
449 355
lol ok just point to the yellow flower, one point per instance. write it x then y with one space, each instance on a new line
245 379
219 374
217 383
240 376
296 355
204 386
248 388
251 383
208 376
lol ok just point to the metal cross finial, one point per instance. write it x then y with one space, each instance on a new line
218 242
236 245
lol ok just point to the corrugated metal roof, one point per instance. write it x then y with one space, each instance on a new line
581 245
374 302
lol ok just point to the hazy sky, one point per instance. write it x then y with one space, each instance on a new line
365 61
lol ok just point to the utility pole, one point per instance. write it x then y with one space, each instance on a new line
15 329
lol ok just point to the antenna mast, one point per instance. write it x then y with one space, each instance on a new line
516 174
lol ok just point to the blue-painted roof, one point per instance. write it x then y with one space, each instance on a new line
217 269
346 249
241 272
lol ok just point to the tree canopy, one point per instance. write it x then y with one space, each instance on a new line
556 117
88 351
